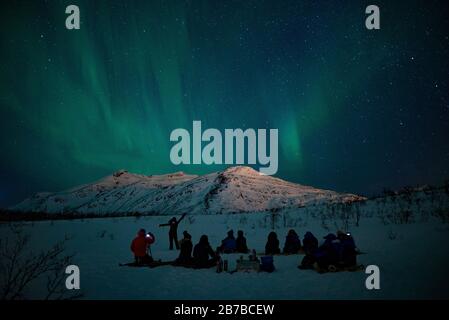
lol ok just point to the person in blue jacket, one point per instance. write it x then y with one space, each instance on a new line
328 254
229 244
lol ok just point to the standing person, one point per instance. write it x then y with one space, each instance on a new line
272 246
140 245
241 246
173 232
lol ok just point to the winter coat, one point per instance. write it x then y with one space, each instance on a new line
292 244
139 245
241 244
272 246
185 255
173 224
328 253
347 251
202 252
229 244
173 227
310 243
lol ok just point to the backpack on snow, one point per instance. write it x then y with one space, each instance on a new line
267 264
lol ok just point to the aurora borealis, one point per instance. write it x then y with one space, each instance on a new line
357 110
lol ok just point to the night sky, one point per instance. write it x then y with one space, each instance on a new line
357 110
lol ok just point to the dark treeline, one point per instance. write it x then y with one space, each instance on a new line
408 190
10 215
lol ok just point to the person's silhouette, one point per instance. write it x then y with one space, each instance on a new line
173 232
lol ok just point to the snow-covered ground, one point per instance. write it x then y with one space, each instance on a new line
413 258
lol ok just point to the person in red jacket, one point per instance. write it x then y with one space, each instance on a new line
140 245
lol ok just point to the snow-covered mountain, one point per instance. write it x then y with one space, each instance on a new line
236 189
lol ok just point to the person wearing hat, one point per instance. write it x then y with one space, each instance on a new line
140 245
185 255
327 255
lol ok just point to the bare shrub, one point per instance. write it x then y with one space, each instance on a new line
274 216
324 224
357 214
398 217
20 267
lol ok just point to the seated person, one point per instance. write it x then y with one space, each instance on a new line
310 246
241 246
292 243
202 252
348 250
228 245
140 245
309 243
185 255
327 255
272 246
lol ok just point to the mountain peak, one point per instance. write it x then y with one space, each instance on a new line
119 173
242 170
236 189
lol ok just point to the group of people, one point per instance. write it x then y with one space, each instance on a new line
233 245
203 254
338 251
292 243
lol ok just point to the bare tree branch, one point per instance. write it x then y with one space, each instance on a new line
20 267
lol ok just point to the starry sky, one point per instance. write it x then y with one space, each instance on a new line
357 110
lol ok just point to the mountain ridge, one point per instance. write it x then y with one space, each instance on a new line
233 190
